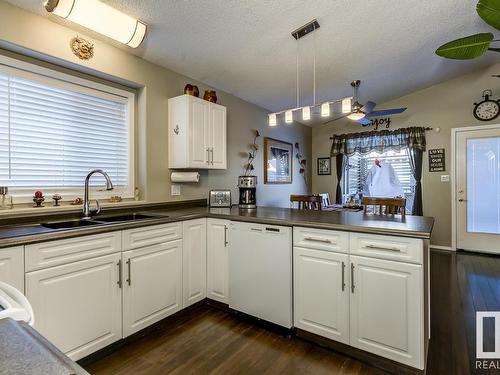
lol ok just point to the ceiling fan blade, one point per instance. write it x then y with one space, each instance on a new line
364 121
386 112
368 107
336 118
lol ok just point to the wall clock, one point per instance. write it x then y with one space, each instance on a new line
487 109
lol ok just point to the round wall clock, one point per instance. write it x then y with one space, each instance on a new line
487 109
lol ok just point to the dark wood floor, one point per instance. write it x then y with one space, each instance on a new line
210 341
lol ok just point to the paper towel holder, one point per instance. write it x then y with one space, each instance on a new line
187 177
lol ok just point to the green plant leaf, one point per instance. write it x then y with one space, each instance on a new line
489 11
466 48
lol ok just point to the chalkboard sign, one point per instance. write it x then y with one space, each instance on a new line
437 160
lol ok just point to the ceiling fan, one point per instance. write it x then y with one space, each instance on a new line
363 113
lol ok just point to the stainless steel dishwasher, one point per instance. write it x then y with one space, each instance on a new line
260 271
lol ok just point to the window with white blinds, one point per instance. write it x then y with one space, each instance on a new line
357 168
54 132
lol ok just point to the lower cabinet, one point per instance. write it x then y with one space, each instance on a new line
152 285
217 260
78 306
321 293
387 312
12 266
194 261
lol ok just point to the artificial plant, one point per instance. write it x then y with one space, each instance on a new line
474 46
250 155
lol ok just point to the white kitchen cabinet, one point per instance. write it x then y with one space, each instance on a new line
217 260
78 306
197 134
321 293
387 310
152 285
194 264
12 266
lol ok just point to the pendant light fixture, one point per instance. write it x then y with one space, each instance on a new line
100 17
324 108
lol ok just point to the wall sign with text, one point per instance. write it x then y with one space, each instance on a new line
437 161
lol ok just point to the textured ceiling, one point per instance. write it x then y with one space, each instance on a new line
245 48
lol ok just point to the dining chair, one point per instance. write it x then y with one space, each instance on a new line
306 202
386 206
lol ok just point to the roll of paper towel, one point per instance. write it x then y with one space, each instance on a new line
185 177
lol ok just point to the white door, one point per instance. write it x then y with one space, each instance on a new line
12 267
152 285
217 259
199 154
387 316
194 255
321 293
78 306
477 196
217 137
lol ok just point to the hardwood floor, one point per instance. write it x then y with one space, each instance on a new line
210 341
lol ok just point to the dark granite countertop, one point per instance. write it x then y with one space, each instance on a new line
410 226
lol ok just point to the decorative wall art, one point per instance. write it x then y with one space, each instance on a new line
437 161
278 164
250 155
82 48
302 162
324 166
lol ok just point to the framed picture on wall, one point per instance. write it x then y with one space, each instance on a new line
277 161
324 166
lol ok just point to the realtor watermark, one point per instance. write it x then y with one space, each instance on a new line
487 358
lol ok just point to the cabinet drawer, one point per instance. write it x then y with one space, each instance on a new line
321 239
146 236
387 247
53 253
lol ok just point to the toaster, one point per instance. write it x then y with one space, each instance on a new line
219 198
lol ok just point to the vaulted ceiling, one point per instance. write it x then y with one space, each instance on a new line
245 47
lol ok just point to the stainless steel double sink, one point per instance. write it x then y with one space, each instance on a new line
78 223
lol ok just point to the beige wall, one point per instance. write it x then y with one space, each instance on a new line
30 34
447 105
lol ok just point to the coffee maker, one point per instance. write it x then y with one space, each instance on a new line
248 187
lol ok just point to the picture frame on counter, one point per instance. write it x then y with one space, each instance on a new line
324 167
278 161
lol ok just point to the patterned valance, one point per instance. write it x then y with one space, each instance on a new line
380 141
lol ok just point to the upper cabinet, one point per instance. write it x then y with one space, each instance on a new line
196 133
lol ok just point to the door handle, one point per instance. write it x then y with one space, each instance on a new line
208 155
352 278
343 276
225 235
120 274
129 266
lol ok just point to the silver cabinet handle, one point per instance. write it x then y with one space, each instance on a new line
316 239
374 247
212 151
208 155
225 235
120 274
129 265
352 278
343 276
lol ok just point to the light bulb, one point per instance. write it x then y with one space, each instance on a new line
306 113
346 105
272 119
325 109
355 116
289 117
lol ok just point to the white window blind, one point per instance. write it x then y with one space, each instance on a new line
52 134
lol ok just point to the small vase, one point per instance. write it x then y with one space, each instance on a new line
37 202
210 96
192 90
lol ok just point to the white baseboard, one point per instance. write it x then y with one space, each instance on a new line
437 247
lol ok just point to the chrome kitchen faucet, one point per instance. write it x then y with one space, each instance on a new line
86 211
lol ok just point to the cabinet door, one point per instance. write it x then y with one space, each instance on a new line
217 260
321 293
387 309
217 137
199 149
12 267
78 306
152 285
194 255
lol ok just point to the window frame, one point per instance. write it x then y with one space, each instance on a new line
70 82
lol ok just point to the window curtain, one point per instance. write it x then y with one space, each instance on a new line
340 162
412 139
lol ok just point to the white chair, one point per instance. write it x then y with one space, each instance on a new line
325 199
